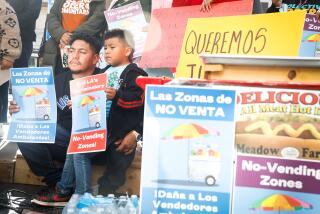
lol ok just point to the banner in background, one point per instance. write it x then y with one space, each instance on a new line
165 36
34 92
88 114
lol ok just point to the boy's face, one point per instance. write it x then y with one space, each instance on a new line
81 57
116 52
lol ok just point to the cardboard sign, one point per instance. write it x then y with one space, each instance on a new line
34 92
187 164
88 114
164 40
264 34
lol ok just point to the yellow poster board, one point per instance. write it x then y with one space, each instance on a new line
275 34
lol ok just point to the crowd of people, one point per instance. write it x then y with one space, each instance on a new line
86 32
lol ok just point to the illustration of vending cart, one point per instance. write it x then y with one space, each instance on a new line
94 117
43 109
204 162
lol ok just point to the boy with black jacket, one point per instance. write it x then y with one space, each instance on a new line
125 103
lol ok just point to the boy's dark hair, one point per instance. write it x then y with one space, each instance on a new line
123 35
94 42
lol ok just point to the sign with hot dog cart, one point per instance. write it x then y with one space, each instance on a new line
34 92
187 164
88 114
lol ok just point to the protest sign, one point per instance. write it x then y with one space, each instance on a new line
187 163
129 17
263 34
165 36
34 92
88 114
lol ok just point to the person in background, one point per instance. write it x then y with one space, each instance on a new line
277 6
67 17
206 4
27 12
43 158
10 49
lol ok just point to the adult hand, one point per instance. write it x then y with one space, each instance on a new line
318 14
128 144
65 38
13 107
111 93
6 64
206 5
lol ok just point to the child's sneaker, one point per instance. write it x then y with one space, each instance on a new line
51 197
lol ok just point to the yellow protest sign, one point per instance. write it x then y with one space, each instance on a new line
275 34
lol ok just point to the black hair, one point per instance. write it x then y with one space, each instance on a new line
94 42
123 35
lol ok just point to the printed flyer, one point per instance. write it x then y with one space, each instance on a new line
276 185
278 151
88 114
131 18
278 122
187 164
310 42
34 92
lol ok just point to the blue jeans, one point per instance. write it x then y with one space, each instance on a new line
77 170
42 158
4 102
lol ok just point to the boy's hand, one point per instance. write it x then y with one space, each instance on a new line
13 107
111 93
128 144
69 104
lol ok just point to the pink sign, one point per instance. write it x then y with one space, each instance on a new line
167 27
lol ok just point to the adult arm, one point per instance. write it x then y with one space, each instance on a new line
206 5
11 40
55 27
96 21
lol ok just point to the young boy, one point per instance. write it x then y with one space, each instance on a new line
125 117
